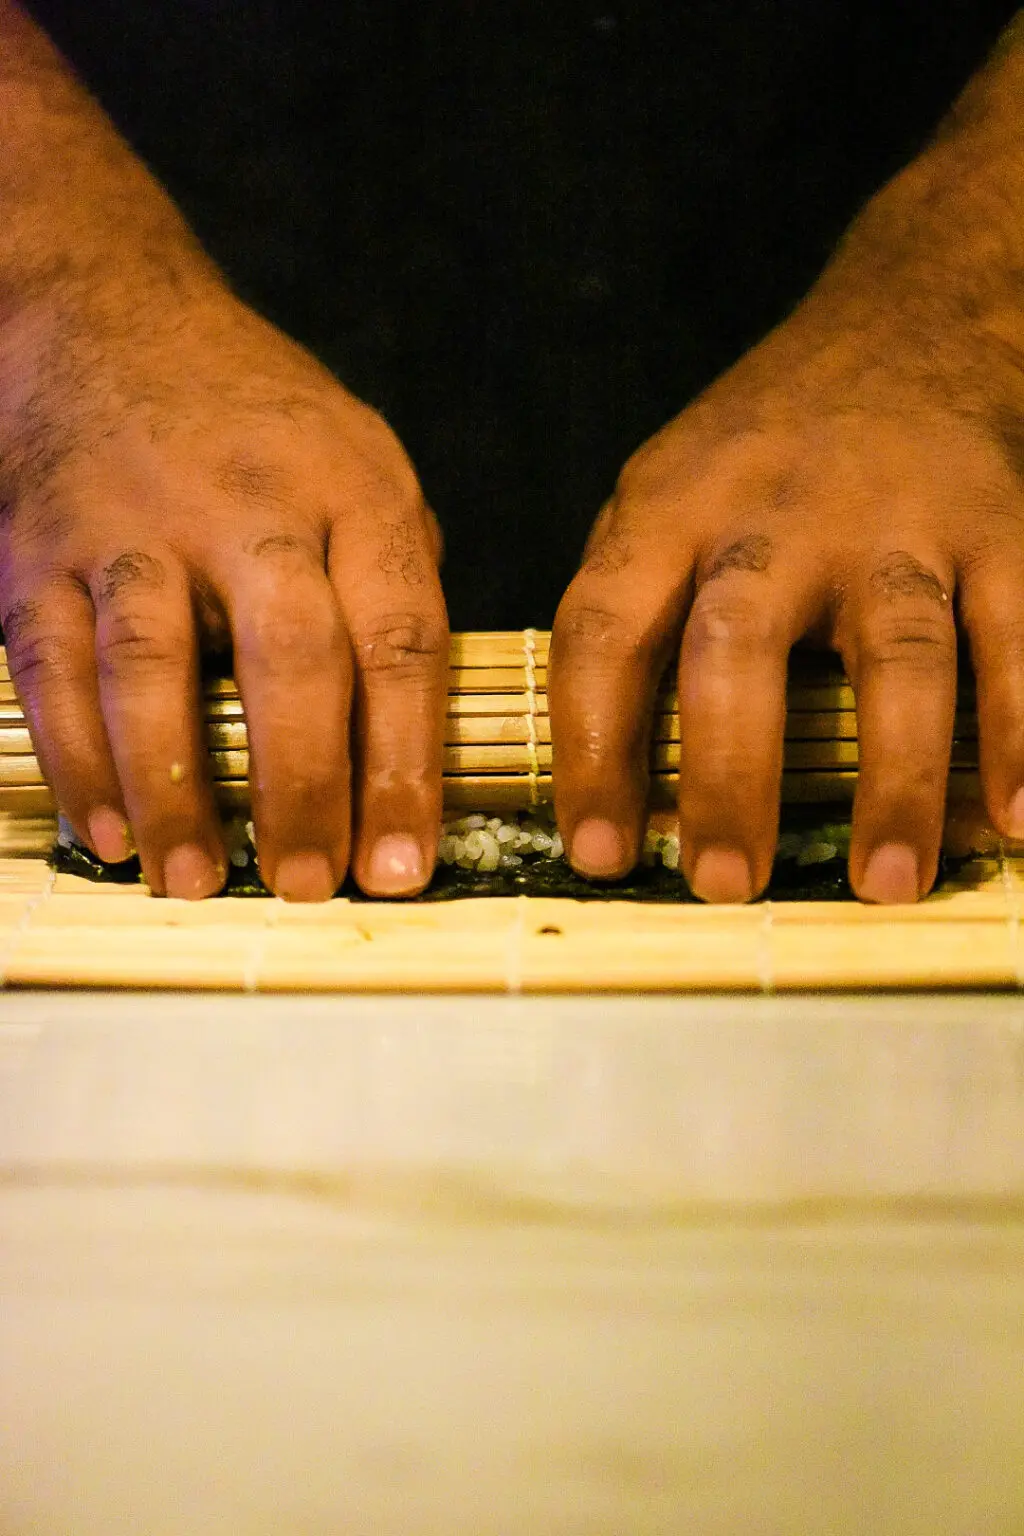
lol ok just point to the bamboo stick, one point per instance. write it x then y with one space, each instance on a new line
501 758
497 736
492 691
512 792
228 732
80 935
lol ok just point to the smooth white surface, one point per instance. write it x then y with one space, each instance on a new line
562 1267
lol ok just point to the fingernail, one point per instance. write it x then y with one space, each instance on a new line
190 873
599 850
891 875
305 877
110 835
1015 820
722 875
396 865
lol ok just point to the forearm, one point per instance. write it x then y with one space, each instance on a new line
947 234
77 207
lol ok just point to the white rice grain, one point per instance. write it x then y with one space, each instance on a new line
491 852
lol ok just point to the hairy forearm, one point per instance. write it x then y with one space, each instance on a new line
947 234
77 207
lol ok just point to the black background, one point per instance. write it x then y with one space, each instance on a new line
528 233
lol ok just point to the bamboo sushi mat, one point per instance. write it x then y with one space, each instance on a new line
497 735
62 930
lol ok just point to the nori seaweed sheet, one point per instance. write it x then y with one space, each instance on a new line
791 881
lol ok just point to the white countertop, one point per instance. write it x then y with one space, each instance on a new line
546 1266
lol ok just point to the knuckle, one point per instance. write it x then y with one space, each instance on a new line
132 570
130 641
35 650
283 547
919 641
651 468
384 479
23 627
399 645
750 554
666 466
902 577
135 625
609 548
593 630
636 475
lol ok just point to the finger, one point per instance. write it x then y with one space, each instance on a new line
897 637
991 598
613 633
50 639
385 575
294 672
751 604
148 668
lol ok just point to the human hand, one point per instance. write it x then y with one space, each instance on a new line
855 480
178 476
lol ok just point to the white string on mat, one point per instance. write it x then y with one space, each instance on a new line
514 939
1012 898
257 949
530 678
765 949
33 902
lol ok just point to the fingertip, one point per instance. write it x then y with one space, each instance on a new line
599 850
110 836
891 876
190 873
396 866
305 876
722 875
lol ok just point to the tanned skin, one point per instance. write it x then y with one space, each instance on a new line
175 474
858 480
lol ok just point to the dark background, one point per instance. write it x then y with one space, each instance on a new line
528 233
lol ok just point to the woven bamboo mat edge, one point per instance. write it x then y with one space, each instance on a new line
61 931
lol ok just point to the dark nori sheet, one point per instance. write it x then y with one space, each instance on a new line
791 881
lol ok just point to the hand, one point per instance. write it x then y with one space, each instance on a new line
855 479
177 475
